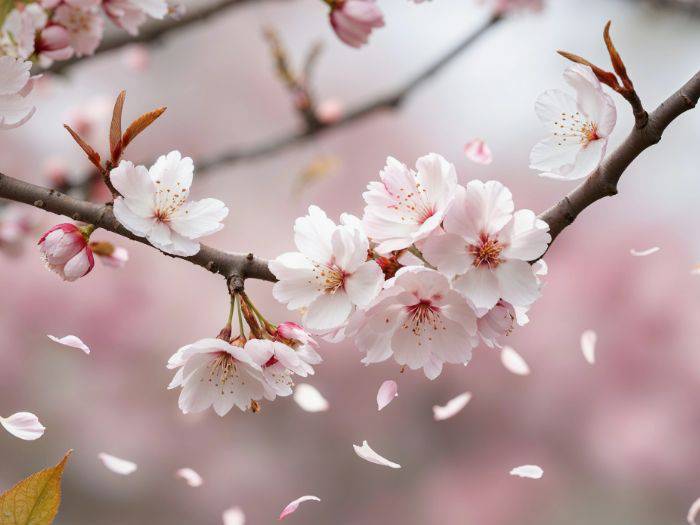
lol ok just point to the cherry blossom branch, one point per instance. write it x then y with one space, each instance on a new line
603 181
234 267
153 33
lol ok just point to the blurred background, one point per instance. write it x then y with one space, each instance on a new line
617 440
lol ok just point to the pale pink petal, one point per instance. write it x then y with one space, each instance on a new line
386 394
72 341
588 341
643 253
693 512
527 471
366 453
514 362
234 516
478 151
310 399
23 425
192 478
452 407
117 465
294 505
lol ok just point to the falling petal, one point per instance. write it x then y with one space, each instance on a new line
386 394
642 253
190 476
234 516
478 151
693 512
514 362
310 399
695 270
366 453
118 465
588 341
452 407
527 471
72 341
294 505
23 425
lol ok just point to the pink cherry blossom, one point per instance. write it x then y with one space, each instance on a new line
330 274
488 247
65 251
419 321
407 206
18 32
153 204
579 127
478 151
354 20
53 44
213 372
16 106
84 25
130 14
116 259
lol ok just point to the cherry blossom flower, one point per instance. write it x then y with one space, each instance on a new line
500 321
19 30
419 321
213 372
53 44
488 247
130 14
16 86
407 206
353 20
66 252
116 258
154 204
579 127
84 25
330 274
23 425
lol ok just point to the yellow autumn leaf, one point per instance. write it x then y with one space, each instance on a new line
35 500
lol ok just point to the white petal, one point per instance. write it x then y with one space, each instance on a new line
518 283
480 285
310 399
452 407
138 224
527 471
172 172
14 74
693 512
478 151
644 253
514 362
328 311
386 393
234 516
366 453
292 507
133 182
588 341
190 476
72 341
199 218
312 235
117 465
365 283
23 425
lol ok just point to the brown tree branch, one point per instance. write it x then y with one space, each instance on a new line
234 267
153 32
603 181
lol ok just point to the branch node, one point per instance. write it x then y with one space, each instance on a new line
250 257
688 101
39 204
236 284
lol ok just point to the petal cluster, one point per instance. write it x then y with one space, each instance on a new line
354 20
16 105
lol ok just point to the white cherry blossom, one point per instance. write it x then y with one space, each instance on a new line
330 274
578 127
407 206
419 321
487 246
16 103
154 204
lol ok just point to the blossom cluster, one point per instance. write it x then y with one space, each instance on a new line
50 30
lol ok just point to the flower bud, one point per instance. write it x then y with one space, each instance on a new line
353 20
65 251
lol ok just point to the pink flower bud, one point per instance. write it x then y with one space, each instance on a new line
353 20
330 111
294 332
65 250
54 43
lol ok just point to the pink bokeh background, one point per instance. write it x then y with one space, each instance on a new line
617 440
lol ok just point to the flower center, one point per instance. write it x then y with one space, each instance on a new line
421 316
329 277
412 205
487 252
221 369
574 127
168 201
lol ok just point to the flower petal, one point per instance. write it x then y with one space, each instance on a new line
452 407
365 283
693 512
192 478
527 471
386 393
199 218
588 342
366 453
294 505
644 253
309 398
513 362
478 151
117 465
23 425
72 341
234 516
328 311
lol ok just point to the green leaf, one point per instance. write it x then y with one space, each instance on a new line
35 500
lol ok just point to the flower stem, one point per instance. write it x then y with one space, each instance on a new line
257 313
240 315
